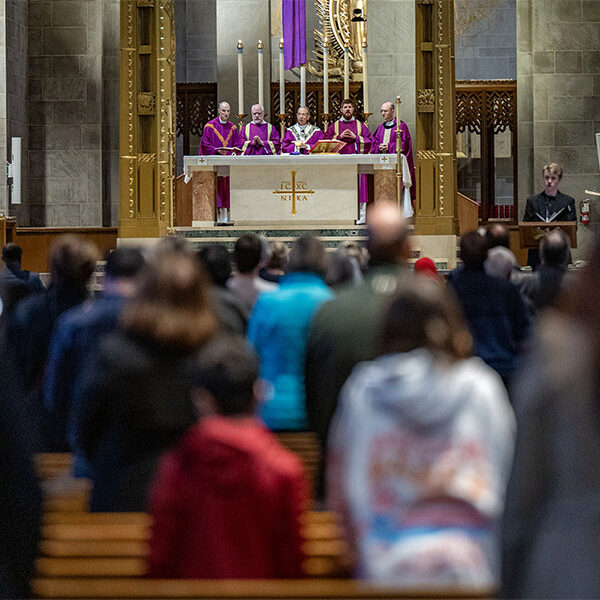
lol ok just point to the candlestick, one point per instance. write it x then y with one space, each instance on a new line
325 75
346 72
281 79
399 173
260 47
240 49
303 85
365 77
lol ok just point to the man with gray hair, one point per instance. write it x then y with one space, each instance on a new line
302 136
259 137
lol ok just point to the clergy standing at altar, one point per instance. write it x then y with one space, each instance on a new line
259 137
384 140
301 136
220 136
358 140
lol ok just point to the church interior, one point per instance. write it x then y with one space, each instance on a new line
299 299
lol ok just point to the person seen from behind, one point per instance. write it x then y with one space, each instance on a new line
136 395
228 498
420 450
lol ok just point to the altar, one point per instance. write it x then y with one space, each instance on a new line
288 189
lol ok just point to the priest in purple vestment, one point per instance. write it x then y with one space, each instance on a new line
302 136
220 136
358 140
384 141
259 137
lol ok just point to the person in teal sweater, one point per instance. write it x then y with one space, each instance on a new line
278 331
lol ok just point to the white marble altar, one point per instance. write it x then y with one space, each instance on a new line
292 188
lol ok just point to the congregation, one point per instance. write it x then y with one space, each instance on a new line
457 420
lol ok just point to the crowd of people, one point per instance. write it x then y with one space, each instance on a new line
458 420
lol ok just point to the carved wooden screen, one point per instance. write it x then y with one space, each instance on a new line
196 104
314 100
488 108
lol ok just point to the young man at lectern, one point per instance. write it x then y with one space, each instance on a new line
548 206
220 136
358 140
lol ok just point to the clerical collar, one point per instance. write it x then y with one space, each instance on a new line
261 123
347 120
223 122
389 124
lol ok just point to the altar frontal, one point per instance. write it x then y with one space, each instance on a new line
293 193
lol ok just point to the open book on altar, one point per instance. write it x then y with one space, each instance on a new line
232 148
327 147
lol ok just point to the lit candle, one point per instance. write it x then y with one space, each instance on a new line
240 47
325 75
303 85
365 77
281 79
346 72
261 97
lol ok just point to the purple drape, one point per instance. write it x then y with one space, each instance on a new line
294 32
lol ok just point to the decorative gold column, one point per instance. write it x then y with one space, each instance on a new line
436 209
147 117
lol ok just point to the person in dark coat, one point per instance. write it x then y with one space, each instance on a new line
136 396
552 514
495 312
12 255
20 495
29 329
345 330
544 286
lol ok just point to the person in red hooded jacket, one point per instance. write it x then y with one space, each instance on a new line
227 500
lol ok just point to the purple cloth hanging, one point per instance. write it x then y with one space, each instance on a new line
294 33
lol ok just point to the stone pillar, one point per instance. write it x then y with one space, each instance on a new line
3 127
147 117
391 66
436 211
558 63
249 21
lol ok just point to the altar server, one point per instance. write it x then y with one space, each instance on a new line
358 140
384 140
259 137
302 136
220 136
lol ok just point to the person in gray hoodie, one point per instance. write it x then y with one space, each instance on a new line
421 449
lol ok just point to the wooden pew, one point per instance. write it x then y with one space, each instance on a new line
306 445
49 465
331 589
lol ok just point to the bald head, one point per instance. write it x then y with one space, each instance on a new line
387 111
554 249
388 234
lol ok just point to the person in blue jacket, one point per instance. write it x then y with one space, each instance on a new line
278 331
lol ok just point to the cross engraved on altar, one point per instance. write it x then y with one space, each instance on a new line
294 190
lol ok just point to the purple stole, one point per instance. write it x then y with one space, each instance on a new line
266 132
362 143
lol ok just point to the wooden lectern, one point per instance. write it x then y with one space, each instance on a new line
531 232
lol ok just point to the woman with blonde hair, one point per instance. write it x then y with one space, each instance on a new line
420 450
136 397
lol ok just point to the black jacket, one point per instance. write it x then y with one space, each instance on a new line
546 206
135 404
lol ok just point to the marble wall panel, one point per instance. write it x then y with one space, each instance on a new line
69 13
568 62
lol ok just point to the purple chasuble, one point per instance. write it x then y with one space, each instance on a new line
266 132
360 145
219 135
295 133
387 135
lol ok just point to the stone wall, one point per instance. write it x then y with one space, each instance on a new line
73 109
3 127
16 95
559 96
486 39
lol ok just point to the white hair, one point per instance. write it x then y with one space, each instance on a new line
259 106
221 104
500 262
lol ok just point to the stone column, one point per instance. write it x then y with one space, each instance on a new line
3 128
558 82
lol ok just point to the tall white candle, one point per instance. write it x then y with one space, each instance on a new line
346 72
281 79
365 77
325 76
261 96
303 85
240 47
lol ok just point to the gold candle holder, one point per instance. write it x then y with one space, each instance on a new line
281 117
366 116
325 116
241 118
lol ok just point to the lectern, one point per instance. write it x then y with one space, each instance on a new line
530 233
